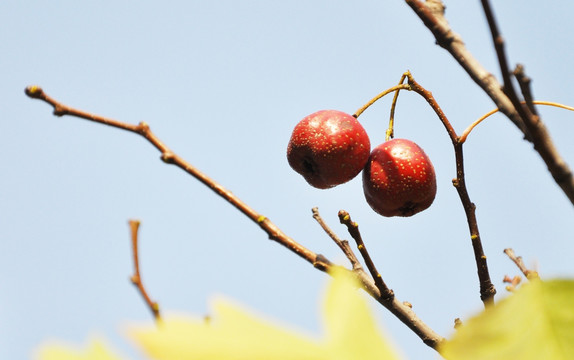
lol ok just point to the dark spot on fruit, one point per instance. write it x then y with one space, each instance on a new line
408 209
309 166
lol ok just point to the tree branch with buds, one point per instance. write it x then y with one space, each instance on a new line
402 311
432 13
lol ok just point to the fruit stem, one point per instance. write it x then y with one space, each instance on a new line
390 133
467 131
380 95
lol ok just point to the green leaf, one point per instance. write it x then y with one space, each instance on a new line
233 333
96 350
536 322
350 330
230 333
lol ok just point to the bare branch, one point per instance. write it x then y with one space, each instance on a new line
169 157
536 131
530 274
524 83
403 312
487 290
353 229
530 103
136 278
431 12
342 244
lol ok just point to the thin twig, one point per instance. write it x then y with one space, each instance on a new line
508 88
169 157
466 132
342 244
530 274
537 132
136 278
353 229
512 282
404 313
487 290
524 83
431 12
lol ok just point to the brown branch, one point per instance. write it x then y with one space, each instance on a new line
431 12
537 132
374 285
498 42
342 244
487 290
524 83
136 278
529 103
512 282
169 157
353 229
530 274
400 310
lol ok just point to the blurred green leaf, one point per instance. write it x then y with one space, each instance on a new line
96 350
536 322
233 333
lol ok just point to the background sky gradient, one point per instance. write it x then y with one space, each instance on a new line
223 83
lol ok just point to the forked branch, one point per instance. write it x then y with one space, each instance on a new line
536 130
400 310
353 228
431 12
487 290
530 274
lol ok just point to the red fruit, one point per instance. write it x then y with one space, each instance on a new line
328 148
399 179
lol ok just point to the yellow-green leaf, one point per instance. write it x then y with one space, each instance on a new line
232 333
351 332
96 350
536 322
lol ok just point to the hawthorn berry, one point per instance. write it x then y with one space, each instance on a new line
399 179
328 148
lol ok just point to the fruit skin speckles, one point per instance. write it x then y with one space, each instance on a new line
399 179
328 147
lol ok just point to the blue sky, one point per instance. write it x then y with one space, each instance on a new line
223 83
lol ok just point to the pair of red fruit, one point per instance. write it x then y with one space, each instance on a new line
331 147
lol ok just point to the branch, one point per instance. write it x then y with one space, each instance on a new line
136 278
530 274
376 286
400 310
431 13
524 83
537 132
529 103
353 229
169 157
487 290
342 244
